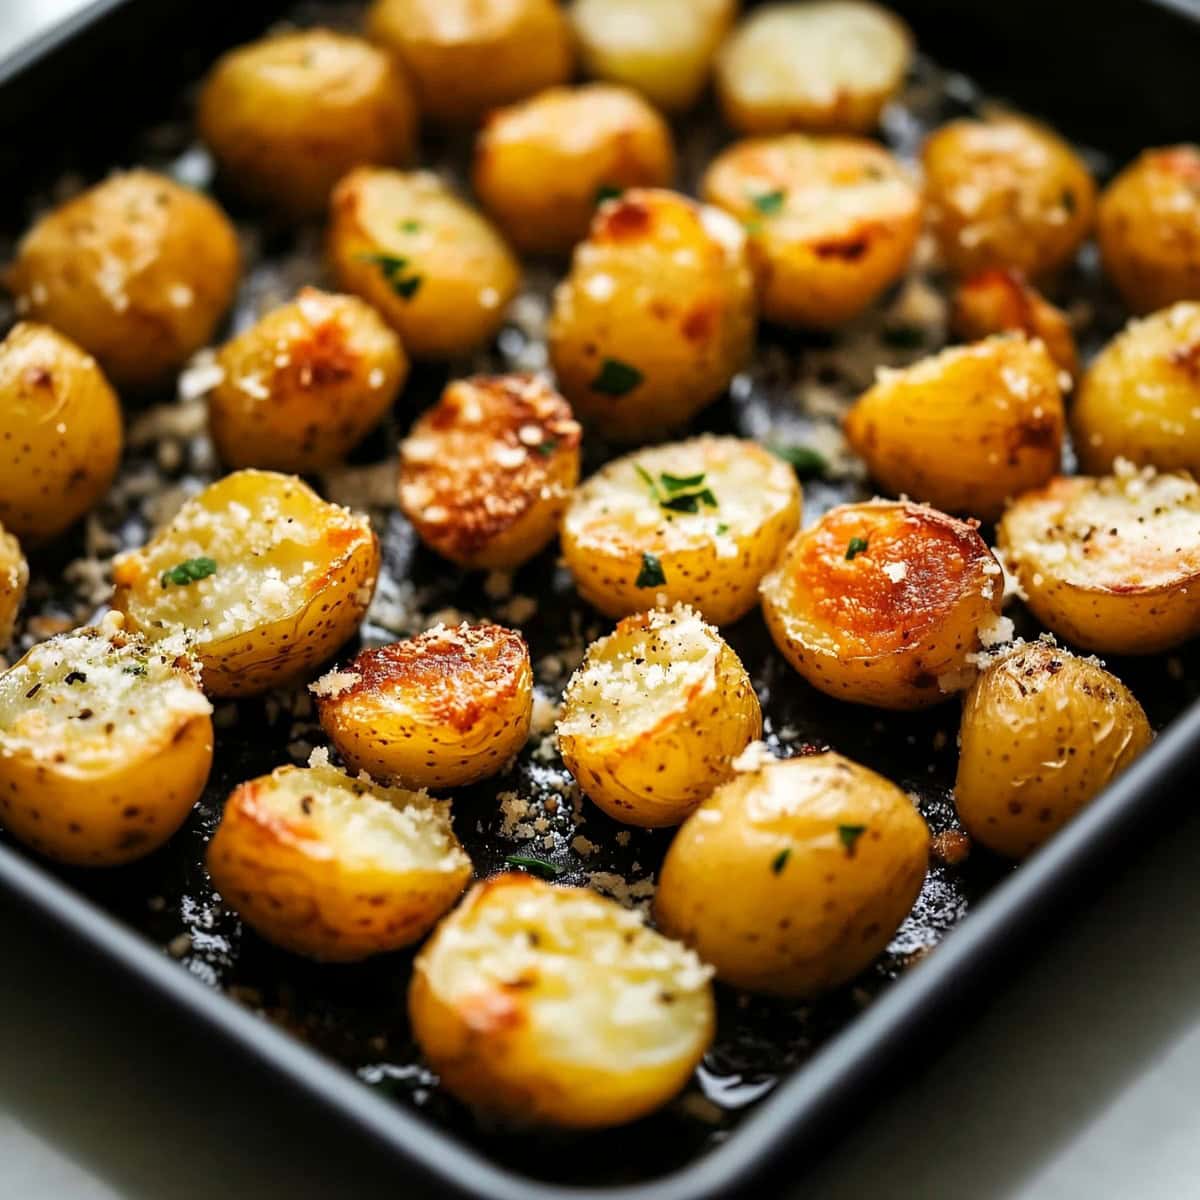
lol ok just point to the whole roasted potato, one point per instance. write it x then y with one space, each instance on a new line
884 603
832 222
333 867
697 522
486 473
964 430
542 165
105 744
14 578
261 576
436 270
656 315
1042 733
137 270
60 432
654 716
288 115
795 874
552 1005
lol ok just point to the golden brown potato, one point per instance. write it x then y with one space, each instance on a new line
795 874
656 315
819 65
1111 564
305 385
555 1006
966 429
1148 226
697 522
333 867
486 473
287 116
832 222
436 270
541 166
1006 192
466 56
884 603
654 716
60 432
14 578
261 576
105 744
1140 398
137 270
444 709
1042 733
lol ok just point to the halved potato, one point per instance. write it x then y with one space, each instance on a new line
884 603
105 744
262 576
14 578
333 867
964 430
444 709
795 874
1111 564
555 1006
818 65
697 522
486 473
654 716
1043 732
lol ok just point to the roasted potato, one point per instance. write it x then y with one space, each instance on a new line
333 867
436 270
444 709
542 165
467 56
832 222
697 522
795 874
884 603
654 716
819 65
486 473
1042 733
305 384
966 429
60 432
105 744
1111 564
1006 192
552 1005
656 315
14 578
262 576
138 270
288 115
1140 397
663 48
1148 227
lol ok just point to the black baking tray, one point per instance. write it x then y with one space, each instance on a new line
82 99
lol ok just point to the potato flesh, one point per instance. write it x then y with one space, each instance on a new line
14 578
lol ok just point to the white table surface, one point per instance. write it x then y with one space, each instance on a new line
1080 1080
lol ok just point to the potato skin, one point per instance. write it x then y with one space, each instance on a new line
1043 732
656 315
825 859
288 115
539 165
61 432
890 625
964 430
841 222
138 270
1148 227
14 578
305 384
433 267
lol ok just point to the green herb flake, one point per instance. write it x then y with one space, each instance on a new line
849 835
189 571
392 267
690 502
534 866
680 483
808 464
722 529
753 227
134 669
547 447
768 203
856 547
651 574
608 191
781 860
410 226
616 378
904 337
647 479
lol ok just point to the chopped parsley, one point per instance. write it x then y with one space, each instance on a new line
535 866
134 669
677 493
651 574
616 378
904 337
410 226
849 835
188 571
781 860
722 529
681 483
689 502
547 447
392 268
856 546
807 463
607 191
768 203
